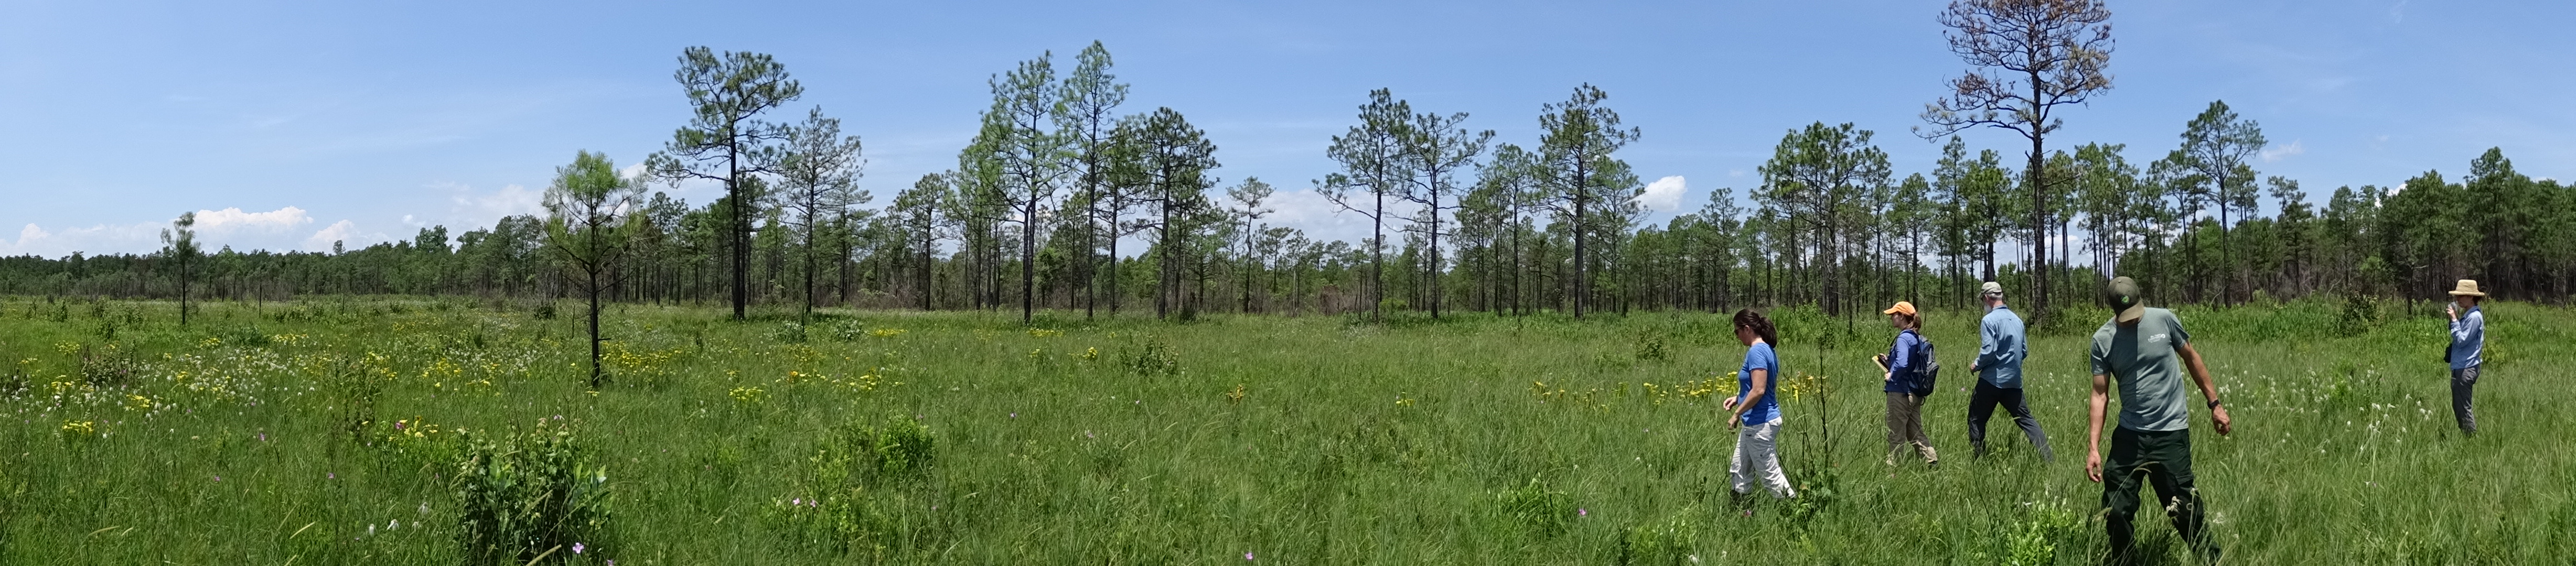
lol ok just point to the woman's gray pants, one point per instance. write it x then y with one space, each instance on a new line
2463 380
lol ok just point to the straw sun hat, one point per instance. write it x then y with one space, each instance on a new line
2468 287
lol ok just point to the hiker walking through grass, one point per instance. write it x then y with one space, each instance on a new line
1754 411
2468 344
2001 347
1908 382
2145 350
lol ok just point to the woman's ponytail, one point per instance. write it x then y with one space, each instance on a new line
1761 325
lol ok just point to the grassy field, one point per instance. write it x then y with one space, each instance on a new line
408 431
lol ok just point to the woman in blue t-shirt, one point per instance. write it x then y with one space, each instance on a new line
1754 411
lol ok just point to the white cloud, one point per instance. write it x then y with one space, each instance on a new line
344 232
233 220
2279 152
31 240
99 239
1664 194
216 229
474 209
1320 218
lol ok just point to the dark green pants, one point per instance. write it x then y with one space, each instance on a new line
2160 459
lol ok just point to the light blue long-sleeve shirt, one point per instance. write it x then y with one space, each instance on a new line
2000 348
2468 339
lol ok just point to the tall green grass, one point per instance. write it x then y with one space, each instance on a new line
266 434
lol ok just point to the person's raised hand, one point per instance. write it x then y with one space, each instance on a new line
1729 403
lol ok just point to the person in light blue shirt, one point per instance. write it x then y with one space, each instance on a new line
1754 411
2468 344
2001 347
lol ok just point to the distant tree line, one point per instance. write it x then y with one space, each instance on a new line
1060 174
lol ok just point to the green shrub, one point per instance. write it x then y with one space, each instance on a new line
2034 539
1651 347
349 393
107 365
1153 358
1544 512
524 493
2360 315
840 505
1669 541
1819 486
901 449
848 330
243 336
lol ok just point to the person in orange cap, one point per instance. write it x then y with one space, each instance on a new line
1908 365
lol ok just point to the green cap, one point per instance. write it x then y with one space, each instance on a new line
2122 296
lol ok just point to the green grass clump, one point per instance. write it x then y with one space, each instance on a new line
412 431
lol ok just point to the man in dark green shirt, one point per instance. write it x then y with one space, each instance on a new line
2145 351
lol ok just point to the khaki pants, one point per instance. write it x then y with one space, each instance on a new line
1757 460
1905 428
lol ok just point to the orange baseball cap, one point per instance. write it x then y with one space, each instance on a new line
1902 307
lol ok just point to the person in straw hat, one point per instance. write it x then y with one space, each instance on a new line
2468 341
1906 364
2145 351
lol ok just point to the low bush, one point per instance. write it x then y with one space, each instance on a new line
528 492
843 505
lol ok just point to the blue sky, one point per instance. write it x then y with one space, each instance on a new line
295 124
